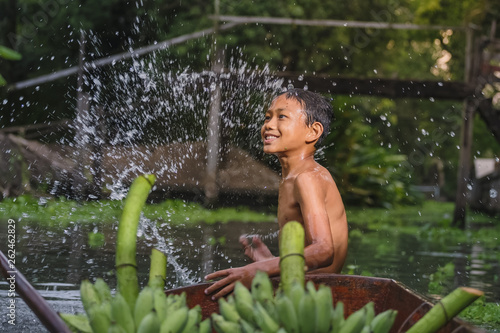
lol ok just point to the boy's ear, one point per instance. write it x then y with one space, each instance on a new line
315 131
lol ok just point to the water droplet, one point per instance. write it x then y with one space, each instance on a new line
493 193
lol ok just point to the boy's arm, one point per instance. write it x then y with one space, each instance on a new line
310 193
243 274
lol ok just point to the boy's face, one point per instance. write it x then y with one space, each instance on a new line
284 126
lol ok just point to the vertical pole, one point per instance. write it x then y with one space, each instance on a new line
468 54
97 149
464 163
213 135
81 98
82 107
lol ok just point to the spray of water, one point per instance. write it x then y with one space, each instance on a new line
150 115
138 108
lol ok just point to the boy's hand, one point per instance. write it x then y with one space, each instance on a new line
228 279
256 250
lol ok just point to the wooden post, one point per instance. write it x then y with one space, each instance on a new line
82 100
468 54
78 178
213 135
464 163
97 148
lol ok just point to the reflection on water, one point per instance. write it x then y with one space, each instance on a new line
55 260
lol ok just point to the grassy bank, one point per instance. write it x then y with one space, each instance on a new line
61 212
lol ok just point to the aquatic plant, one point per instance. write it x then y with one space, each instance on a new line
482 313
60 212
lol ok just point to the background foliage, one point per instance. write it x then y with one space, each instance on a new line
377 148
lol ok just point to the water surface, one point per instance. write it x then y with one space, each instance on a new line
56 259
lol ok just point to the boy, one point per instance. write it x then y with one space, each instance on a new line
295 123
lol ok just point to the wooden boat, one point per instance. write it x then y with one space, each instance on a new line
354 292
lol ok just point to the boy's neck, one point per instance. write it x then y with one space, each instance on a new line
293 164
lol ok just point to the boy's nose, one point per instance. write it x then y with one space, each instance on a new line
270 124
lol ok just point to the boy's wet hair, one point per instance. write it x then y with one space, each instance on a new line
316 107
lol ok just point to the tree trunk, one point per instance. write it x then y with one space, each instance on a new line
464 164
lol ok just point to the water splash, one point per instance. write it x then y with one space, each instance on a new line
139 105
150 230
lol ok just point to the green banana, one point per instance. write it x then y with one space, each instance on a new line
242 293
287 314
193 318
223 326
264 320
149 324
324 308
297 292
270 306
262 288
143 304
121 313
160 303
307 314
370 312
228 311
78 322
99 319
205 326
246 327
102 290
175 321
355 322
244 302
175 302
337 317
115 328
311 288
90 297
382 323
366 329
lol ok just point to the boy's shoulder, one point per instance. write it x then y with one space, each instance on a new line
314 175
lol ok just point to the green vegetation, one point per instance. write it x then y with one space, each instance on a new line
429 223
8 54
61 212
378 146
483 313
443 277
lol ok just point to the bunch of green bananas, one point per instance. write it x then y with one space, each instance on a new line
302 310
153 312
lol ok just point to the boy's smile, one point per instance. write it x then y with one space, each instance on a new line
284 126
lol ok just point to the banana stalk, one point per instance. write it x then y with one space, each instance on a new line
158 269
292 260
445 310
126 266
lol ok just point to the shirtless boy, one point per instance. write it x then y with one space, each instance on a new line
295 123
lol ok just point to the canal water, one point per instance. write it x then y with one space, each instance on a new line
56 259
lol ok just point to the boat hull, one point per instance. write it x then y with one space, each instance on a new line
354 292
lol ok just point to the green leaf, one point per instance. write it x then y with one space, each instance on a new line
9 54
2 81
